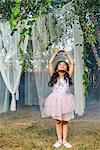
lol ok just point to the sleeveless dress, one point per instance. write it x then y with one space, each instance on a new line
60 103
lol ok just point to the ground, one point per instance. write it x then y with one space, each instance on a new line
24 129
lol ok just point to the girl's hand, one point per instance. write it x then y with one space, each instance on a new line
71 63
60 52
50 66
53 56
69 57
66 52
57 52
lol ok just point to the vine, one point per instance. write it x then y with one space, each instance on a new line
85 9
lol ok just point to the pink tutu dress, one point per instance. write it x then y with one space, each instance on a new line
60 103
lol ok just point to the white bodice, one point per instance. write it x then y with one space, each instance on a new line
61 86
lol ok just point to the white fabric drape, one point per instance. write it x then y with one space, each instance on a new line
10 66
4 97
78 81
44 32
4 94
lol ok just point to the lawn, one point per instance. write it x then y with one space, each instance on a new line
26 130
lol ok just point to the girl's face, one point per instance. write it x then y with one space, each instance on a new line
62 67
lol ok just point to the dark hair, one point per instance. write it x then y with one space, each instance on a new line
55 75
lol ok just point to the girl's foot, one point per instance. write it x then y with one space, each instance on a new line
57 144
66 144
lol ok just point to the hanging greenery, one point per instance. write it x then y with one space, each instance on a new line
19 11
86 9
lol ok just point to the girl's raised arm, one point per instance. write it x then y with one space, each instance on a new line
50 65
72 64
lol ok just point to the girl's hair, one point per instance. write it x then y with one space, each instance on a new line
55 75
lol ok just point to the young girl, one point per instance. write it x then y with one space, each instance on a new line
60 103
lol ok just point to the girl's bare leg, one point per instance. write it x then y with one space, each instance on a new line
59 130
65 130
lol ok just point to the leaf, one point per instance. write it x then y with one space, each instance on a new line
18 1
88 61
13 31
12 21
35 16
23 31
29 31
30 22
86 69
42 9
86 92
48 1
15 10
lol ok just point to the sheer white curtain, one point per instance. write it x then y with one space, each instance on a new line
4 94
43 32
78 81
36 82
10 66
4 97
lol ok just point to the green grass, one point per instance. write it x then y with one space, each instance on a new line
26 130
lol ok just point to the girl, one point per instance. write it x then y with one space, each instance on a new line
60 103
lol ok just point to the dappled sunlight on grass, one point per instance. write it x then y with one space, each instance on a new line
26 130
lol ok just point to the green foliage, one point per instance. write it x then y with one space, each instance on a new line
85 9
18 1
86 79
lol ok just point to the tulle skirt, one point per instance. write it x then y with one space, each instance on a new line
60 106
